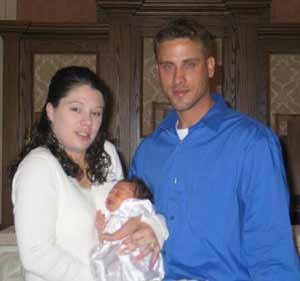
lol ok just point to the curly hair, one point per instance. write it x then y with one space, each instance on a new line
98 161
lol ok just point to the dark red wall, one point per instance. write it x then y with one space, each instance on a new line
286 11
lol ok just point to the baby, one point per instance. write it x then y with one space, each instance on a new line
128 198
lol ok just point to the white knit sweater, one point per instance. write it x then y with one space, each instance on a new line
55 217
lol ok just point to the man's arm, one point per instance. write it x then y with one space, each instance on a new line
268 247
136 234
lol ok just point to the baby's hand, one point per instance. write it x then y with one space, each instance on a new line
100 221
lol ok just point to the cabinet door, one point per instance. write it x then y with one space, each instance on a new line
30 63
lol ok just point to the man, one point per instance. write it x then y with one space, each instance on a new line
216 174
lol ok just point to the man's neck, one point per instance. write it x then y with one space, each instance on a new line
188 118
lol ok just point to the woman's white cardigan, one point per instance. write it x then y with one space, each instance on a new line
55 217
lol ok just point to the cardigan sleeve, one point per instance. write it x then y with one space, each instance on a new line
115 171
35 211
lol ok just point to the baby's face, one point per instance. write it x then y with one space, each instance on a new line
120 192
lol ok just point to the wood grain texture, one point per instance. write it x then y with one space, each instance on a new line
11 117
21 41
117 40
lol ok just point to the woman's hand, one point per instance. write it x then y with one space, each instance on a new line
100 223
136 235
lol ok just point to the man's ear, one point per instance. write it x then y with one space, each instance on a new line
50 111
211 66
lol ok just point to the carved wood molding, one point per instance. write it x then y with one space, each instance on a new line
94 30
249 7
183 7
279 31
7 27
188 7
119 6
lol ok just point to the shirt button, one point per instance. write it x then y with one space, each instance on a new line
172 218
175 180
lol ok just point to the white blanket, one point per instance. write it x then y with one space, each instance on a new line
108 265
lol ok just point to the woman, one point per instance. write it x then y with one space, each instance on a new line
63 177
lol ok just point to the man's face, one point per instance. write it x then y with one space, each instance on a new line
184 73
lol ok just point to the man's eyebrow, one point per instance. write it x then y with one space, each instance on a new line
165 61
192 59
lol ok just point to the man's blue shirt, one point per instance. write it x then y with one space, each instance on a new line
224 195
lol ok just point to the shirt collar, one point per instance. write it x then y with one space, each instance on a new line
212 119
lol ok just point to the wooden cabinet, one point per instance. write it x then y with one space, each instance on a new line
118 42
23 44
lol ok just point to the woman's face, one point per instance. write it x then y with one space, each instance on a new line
77 119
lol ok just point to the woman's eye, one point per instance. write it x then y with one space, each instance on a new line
75 109
97 114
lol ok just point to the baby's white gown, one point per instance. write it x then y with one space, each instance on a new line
108 265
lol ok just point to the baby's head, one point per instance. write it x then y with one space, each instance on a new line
125 189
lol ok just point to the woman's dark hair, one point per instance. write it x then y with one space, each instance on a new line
98 161
182 27
141 190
